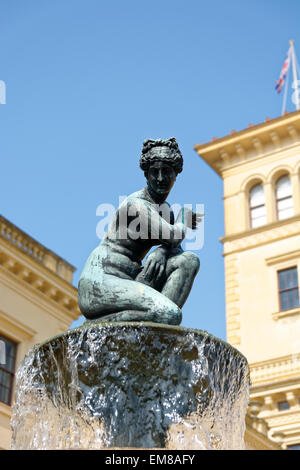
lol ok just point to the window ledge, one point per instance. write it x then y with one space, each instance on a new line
286 313
263 228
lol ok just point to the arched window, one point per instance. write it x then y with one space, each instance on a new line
257 206
284 198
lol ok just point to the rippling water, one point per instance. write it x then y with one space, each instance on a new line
131 385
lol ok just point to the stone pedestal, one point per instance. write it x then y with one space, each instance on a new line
141 385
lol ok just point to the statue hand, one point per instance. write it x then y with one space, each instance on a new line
196 219
189 218
154 266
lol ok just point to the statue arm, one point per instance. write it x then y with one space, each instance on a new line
168 234
140 217
172 234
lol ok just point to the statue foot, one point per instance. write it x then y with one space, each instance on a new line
138 315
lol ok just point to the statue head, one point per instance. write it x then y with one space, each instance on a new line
161 162
166 151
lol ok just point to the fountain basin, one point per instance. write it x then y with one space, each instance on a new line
141 385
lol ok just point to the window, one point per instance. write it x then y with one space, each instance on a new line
283 405
284 198
7 369
288 288
257 206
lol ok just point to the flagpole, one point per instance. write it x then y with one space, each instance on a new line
295 78
286 85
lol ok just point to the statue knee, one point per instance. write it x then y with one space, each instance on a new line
168 313
191 262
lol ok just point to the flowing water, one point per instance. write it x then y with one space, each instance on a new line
141 385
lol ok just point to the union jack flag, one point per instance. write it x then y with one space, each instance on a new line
284 71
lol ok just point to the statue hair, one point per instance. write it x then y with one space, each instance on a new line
174 157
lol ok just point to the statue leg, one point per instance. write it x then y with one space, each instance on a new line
117 299
181 270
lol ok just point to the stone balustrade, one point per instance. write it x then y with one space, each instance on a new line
34 249
269 370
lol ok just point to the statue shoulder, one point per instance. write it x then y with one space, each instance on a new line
135 199
137 196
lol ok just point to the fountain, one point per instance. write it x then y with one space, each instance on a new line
142 385
130 376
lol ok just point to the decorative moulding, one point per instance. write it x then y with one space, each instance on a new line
13 326
283 257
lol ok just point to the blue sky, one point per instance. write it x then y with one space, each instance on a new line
88 80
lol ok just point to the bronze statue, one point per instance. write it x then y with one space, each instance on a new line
114 285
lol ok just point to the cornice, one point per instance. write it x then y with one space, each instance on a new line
40 286
55 308
274 156
290 420
14 260
262 235
252 143
274 388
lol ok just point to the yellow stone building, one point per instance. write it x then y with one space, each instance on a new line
37 301
260 168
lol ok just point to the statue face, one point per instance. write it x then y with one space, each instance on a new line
161 178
